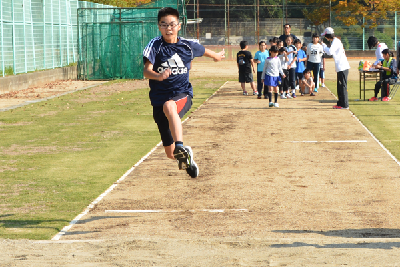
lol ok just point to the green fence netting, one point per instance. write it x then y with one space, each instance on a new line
111 40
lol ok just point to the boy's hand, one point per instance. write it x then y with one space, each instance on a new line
164 75
220 55
283 76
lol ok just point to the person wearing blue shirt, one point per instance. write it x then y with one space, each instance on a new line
167 61
301 58
259 58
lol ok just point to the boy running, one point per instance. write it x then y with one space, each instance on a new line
167 61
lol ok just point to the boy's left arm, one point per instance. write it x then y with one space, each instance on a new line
252 65
216 56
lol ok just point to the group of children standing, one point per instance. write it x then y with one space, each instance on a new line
283 68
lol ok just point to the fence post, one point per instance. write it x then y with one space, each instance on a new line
363 37
67 28
395 30
33 39
24 29
52 33
13 34
44 33
2 38
60 32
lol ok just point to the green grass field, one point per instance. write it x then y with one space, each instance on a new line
59 155
381 118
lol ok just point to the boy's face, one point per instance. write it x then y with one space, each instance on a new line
280 44
262 47
307 75
169 27
298 46
315 40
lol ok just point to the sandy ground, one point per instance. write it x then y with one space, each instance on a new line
299 185
13 99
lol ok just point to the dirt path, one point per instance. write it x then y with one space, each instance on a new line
299 185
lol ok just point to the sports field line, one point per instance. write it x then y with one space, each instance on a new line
99 198
371 134
178 211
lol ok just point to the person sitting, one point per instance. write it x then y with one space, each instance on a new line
388 76
373 42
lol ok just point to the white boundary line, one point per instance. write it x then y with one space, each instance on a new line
370 133
99 198
175 211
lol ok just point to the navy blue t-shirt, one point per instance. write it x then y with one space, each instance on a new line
177 57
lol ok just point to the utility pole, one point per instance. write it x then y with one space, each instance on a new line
198 24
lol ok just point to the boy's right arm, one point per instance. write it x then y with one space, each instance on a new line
149 73
216 56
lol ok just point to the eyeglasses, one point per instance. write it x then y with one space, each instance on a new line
165 26
286 27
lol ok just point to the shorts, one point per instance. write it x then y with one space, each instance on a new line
184 103
321 73
272 81
245 77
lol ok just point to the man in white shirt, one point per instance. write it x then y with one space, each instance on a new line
341 65
373 42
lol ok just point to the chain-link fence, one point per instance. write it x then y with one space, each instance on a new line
38 34
111 40
43 34
227 22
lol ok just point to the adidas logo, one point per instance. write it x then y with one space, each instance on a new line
176 65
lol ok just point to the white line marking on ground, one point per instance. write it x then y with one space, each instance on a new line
384 148
97 200
175 211
332 141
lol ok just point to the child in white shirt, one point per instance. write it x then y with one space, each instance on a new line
270 75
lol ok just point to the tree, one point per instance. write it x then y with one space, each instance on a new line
350 12
121 3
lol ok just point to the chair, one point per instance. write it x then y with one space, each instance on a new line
393 89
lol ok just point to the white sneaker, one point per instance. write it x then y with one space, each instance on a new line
271 104
288 96
283 97
276 105
323 85
297 87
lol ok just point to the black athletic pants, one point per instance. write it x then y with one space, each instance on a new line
260 85
342 89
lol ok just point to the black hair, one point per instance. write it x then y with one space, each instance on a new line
329 36
306 71
273 49
167 11
315 35
243 44
304 44
297 41
387 51
372 41
261 42
289 36
275 39
282 49
287 24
